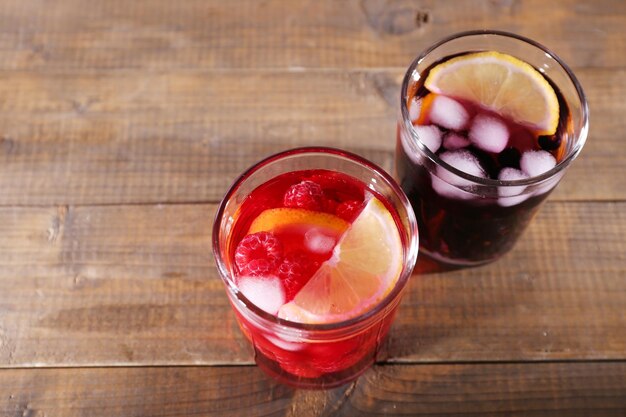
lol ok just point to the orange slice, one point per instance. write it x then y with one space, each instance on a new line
363 269
501 83
427 103
276 218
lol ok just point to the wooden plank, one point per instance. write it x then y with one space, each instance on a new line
111 138
136 285
554 296
156 35
564 389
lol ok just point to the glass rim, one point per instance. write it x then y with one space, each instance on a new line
582 135
362 320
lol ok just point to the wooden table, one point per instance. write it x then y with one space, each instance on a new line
123 122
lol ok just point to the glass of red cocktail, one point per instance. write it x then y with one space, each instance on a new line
315 247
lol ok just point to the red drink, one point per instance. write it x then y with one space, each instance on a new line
484 138
316 260
302 215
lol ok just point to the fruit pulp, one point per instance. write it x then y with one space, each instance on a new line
458 226
285 233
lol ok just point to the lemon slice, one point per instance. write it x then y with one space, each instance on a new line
501 83
273 219
363 269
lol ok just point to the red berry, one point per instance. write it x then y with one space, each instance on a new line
258 254
349 209
306 194
295 271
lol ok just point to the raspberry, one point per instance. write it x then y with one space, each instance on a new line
295 271
349 209
306 194
258 254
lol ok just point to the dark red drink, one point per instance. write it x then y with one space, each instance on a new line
483 139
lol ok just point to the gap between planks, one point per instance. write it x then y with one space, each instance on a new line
531 361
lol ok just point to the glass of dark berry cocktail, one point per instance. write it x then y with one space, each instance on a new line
489 122
315 246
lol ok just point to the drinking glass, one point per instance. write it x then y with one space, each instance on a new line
470 220
313 355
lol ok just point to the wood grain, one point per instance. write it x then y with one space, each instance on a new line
129 285
123 123
157 35
131 137
564 389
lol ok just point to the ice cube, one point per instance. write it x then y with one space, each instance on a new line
447 184
535 163
285 345
511 174
548 184
513 200
318 242
465 161
489 133
295 313
448 113
409 146
453 141
267 293
415 105
512 195
430 136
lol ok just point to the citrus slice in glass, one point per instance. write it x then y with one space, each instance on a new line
501 83
363 269
277 218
